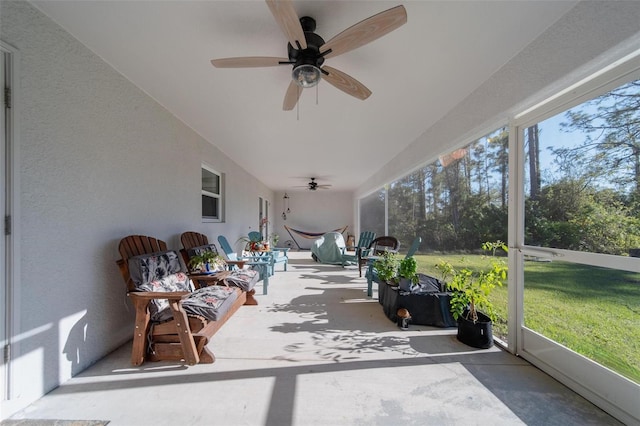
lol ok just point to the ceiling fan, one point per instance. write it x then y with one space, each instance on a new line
313 185
307 51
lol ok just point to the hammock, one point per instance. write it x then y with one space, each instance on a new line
311 235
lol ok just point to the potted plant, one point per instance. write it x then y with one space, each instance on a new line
387 268
470 303
253 242
206 261
407 273
274 238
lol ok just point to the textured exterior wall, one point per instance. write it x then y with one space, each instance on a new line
99 160
313 211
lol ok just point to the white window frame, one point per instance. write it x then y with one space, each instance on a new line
219 217
605 388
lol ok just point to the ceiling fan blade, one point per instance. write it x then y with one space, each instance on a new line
365 31
248 62
288 20
292 96
346 83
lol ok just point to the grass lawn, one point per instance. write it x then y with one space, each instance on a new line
593 311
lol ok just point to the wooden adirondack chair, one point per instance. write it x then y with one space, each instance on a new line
185 336
191 240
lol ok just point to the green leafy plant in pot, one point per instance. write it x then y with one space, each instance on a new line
470 303
253 243
387 267
206 261
408 273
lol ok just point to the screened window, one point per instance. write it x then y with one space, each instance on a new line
212 195
582 199
583 176
455 203
373 213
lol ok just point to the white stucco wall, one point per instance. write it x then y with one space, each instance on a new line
313 211
99 160
589 37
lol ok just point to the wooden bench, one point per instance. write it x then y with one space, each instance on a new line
184 337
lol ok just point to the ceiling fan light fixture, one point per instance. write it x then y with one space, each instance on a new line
306 75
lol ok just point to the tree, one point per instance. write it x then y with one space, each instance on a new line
534 160
611 123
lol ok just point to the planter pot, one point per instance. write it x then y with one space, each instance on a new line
478 334
405 284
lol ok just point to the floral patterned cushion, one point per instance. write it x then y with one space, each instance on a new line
200 249
159 308
163 272
149 267
211 302
245 279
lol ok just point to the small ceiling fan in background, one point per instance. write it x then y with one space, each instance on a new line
313 185
307 50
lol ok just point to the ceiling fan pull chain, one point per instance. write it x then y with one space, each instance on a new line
298 105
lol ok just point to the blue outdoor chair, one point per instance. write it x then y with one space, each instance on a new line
277 254
262 265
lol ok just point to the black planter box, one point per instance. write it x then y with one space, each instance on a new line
427 303
478 334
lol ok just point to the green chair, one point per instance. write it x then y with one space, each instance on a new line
371 272
364 241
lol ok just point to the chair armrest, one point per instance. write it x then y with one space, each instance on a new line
150 295
239 263
364 252
217 278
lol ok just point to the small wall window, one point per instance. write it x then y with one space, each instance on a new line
212 195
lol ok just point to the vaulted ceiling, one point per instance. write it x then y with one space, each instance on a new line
417 73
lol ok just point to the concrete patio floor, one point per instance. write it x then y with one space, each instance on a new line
317 351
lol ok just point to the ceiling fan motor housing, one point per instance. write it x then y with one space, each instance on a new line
311 55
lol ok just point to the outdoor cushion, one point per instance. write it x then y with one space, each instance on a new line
245 279
159 308
201 249
148 267
210 302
